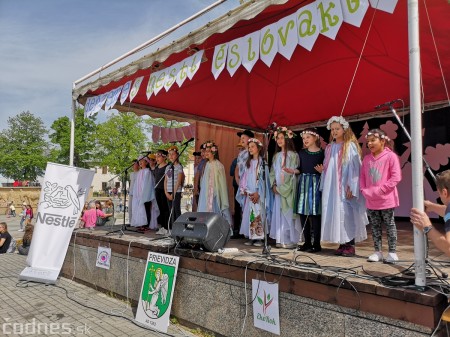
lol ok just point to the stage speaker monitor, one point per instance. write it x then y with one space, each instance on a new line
210 230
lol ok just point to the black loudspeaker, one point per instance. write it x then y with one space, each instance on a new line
209 230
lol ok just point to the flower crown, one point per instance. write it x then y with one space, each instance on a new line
309 132
285 131
338 119
256 141
376 134
210 144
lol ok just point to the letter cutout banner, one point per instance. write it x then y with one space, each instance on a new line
322 17
62 198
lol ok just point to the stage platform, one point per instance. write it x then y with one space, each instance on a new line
320 294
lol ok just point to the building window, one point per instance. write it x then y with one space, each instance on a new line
105 170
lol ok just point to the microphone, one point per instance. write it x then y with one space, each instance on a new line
146 152
188 141
272 126
388 103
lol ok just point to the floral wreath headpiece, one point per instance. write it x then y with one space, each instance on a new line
256 141
309 132
338 119
285 131
210 144
376 134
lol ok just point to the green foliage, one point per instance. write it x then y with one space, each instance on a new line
23 147
120 141
84 142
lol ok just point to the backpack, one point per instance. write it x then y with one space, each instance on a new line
12 246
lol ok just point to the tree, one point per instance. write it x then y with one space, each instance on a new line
84 142
23 147
120 141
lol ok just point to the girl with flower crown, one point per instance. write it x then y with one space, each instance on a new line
379 177
213 185
309 198
344 217
254 193
283 225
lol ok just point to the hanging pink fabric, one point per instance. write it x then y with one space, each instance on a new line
179 134
156 133
165 135
187 132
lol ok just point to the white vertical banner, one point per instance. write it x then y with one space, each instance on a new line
308 26
268 44
250 50
155 300
266 309
125 91
354 11
219 59
234 59
103 257
384 5
194 63
101 99
331 16
287 35
135 88
63 194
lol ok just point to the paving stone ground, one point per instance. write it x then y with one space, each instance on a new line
65 309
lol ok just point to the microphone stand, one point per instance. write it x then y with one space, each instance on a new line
427 166
124 181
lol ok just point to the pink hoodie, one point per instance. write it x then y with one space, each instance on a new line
379 178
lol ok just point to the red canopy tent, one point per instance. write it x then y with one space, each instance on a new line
311 86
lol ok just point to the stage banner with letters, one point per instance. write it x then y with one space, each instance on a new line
155 301
266 309
62 198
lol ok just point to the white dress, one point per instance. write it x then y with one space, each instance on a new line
284 227
342 219
144 191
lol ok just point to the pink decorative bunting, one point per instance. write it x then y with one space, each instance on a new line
187 132
179 134
165 135
156 133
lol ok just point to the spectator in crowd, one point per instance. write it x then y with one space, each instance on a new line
26 241
5 238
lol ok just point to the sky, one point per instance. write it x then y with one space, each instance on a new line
46 45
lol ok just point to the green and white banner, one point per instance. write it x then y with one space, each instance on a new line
266 311
155 300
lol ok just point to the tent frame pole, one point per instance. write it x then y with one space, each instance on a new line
416 137
149 42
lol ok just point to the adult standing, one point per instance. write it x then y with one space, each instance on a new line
241 166
160 171
173 183
130 194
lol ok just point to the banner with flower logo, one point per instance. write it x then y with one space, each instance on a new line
266 312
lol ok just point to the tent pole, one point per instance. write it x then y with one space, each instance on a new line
416 136
72 130
149 42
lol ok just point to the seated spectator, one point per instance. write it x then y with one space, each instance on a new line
109 213
5 238
90 215
26 241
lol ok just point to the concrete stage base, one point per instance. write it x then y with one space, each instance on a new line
210 292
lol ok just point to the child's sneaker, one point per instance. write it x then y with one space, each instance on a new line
348 251
248 243
391 258
258 243
375 257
